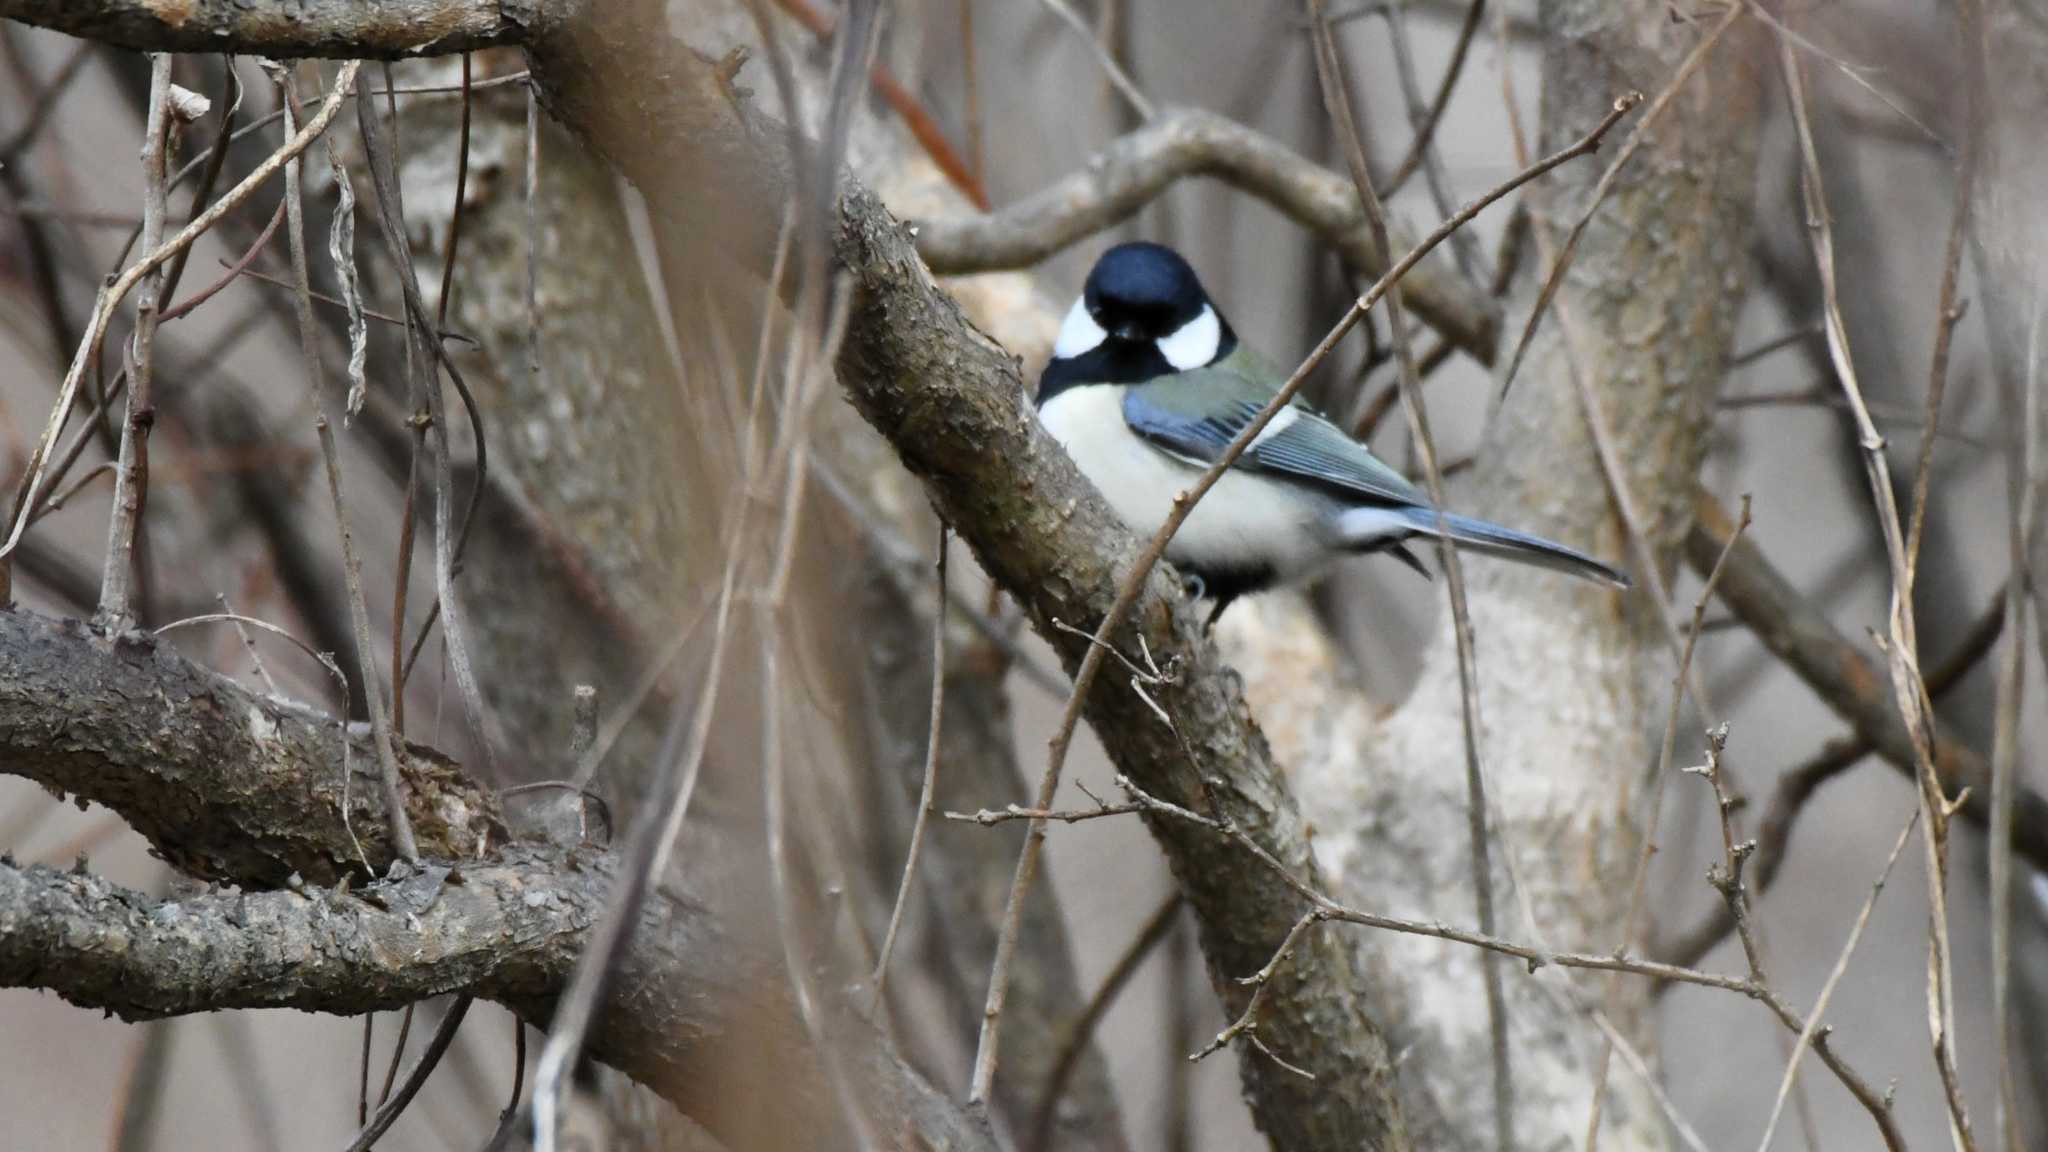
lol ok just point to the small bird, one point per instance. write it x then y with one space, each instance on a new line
1146 387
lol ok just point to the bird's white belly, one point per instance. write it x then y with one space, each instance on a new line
1245 521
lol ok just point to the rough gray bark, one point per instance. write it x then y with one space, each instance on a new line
226 785
253 789
343 29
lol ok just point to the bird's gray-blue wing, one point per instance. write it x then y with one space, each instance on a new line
1196 414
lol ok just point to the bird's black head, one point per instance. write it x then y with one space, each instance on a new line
1140 291
1142 315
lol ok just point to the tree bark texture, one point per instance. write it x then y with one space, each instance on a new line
1565 671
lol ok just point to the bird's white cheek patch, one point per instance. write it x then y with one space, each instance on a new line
1079 334
1194 343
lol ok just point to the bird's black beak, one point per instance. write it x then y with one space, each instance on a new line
1130 333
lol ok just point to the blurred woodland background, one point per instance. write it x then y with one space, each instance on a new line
647 427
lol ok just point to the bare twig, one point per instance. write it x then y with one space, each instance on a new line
131 475
924 128
1464 245
1654 807
1947 311
416 1076
142 1089
397 1054
1134 582
1827 988
649 844
1118 78
428 356
931 773
1324 909
1901 650
233 272
1075 1037
902 565
2024 480
1336 102
255 657
242 623
216 161
112 294
1797 785
330 455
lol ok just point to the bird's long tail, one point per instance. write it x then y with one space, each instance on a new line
1370 528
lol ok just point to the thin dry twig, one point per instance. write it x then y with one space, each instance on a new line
233 272
1118 78
415 1077
242 624
1323 908
1464 245
1076 1036
112 294
330 455
931 774
1901 647
427 357
1827 988
1337 104
648 846
249 645
1134 583
923 126
131 474
1948 311
1654 806
1798 785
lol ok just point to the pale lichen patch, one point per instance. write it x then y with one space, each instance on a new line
262 728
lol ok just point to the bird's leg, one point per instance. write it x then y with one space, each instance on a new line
1222 602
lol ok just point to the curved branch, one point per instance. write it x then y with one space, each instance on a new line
1135 169
506 930
226 784
343 29
247 788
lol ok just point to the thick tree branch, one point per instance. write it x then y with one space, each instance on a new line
953 405
1844 676
344 29
246 788
1132 172
508 929
226 784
